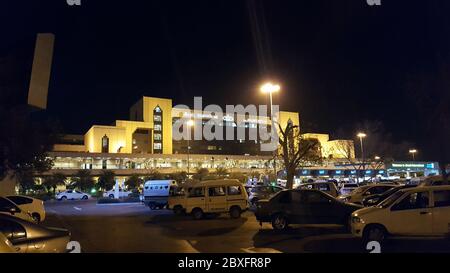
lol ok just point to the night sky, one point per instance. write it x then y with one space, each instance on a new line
339 62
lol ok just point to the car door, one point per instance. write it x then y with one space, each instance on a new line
15 233
196 199
441 212
319 208
411 215
69 194
217 199
293 206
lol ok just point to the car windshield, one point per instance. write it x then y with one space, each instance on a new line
360 190
391 191
390 200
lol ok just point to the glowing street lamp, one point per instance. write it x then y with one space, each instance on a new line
270 88
189 124
413 153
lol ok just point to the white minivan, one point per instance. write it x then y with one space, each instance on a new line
212 197
156 192
418 211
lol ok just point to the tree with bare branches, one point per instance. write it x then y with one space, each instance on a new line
296 151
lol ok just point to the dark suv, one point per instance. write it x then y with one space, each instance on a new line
303 207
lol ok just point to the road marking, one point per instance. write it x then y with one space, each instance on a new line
260 250
77 208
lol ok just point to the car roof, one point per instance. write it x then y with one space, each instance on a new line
218 183
414 189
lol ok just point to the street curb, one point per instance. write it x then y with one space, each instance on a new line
119 204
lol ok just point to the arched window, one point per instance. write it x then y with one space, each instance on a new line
105 144
157 130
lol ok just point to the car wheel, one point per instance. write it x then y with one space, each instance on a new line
111 196
36 217
235 212
152 206
279 222
197 214
63 198
85 197
374 233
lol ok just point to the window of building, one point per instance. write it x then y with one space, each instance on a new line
105 144
212 148
157 146
157 118
157 136
157 127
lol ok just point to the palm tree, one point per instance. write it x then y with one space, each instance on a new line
154 175
83 180
201 174
106 180
221 172
133 182
55 180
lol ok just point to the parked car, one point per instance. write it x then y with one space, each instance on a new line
27 237
347 188
303 207
261 192
327 187
433 181
72 195
5 245
8 207
358 194
32 205
375 199
418 211
111 193
212 197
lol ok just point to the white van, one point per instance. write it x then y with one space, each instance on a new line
215 196
418 211
157 192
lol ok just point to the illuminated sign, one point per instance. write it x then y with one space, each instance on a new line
321 172
408 165
339 172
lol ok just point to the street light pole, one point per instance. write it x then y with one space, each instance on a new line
189 124
361 136
271 88
413 153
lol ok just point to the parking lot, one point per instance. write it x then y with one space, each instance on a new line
134 228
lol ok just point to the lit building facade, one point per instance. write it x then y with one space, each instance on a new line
146 142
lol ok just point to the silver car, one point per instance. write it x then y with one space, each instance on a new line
27 237
257 193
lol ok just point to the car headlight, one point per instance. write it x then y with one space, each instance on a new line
357 220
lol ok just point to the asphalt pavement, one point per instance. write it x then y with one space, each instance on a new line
134 228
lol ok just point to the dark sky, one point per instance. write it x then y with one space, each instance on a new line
339 62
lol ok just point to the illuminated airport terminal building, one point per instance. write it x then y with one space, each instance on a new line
145 142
